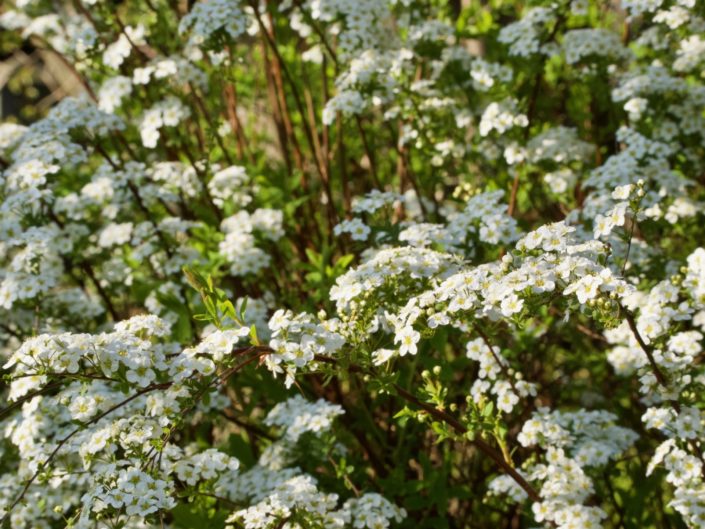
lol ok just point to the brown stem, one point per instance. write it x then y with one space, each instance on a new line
320 160
88 269
101 291
486 339
483 446
342 163
530 114
660 377
276 67
206 115
441 415
66 439
230 92
368 152
70 67
280 66
276 111
21 400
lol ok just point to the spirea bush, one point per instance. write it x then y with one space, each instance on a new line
310 264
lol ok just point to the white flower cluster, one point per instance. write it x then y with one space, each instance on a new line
296 495
489 381
239 247
204 466
230 185
560 145
168 113
501 116
298 338
372 511
116 53
208 17
573 442
485 216
116 432
579 44
374 201
112 92
357 229
363 23
279 493
368 73
134 491
353 289
297 416
524 36
486 74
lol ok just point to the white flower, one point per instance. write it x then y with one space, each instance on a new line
622 192
586 288
380 356
511 304
407 338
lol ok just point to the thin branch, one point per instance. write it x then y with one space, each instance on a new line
66 439
479 443
459 428
660 377
503 367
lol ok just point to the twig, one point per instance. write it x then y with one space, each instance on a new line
503 367
660 377
459 428
479 443
66 439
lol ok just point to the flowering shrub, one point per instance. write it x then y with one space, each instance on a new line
370 264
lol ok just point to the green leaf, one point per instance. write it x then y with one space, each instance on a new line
243 308
254 340
196 280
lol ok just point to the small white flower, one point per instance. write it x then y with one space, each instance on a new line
407 338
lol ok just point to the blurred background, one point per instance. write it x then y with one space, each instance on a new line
31 80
